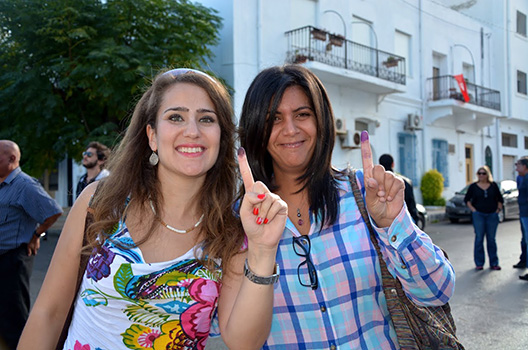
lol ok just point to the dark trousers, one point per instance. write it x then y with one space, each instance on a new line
16 267
523 256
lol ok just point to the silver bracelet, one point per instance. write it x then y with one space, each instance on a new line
259 279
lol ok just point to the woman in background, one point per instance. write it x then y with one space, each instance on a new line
485 201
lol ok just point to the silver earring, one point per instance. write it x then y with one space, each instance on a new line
153 159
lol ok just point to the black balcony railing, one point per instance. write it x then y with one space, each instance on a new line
310 43
446 87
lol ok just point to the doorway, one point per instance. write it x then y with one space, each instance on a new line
469 163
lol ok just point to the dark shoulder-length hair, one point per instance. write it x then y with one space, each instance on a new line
132 175
262 100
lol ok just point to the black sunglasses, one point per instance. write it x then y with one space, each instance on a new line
480 173
302 247
87 153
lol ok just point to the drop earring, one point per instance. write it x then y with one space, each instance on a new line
153 159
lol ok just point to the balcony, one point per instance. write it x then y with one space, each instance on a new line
336 58
448 108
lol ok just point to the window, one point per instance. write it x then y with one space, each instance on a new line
526 142
469 73
402 47
521 82
363 33
440 149
509 140
407 156
521 23
360 125
488 156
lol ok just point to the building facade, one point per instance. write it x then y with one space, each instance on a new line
438 84
393 68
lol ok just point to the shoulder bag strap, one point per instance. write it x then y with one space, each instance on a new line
391 287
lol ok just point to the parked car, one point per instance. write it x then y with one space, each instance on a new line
456 208
422 216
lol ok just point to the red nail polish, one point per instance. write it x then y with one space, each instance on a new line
266 220
261 196
259 220
255 211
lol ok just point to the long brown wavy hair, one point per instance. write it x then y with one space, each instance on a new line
132 176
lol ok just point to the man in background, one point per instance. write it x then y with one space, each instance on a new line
387 162
26 212
522 168
94 159
523 258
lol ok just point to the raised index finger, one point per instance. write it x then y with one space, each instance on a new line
366 154
245 170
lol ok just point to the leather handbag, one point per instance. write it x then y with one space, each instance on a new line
417 327
82 267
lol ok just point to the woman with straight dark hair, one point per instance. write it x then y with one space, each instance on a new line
166 247
330 295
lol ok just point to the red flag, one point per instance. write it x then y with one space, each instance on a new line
462 85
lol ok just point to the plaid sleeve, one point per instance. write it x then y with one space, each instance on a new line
426 275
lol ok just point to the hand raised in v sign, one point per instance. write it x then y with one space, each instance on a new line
384 190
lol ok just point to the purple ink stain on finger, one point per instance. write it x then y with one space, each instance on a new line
364 136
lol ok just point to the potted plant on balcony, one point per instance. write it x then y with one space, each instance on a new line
318 34
300 58
391 62
337 40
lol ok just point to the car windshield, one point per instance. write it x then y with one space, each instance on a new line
508 185
464 190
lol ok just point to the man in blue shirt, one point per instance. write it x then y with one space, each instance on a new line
522 169
522 259
26 212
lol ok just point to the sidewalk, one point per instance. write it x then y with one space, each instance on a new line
435 214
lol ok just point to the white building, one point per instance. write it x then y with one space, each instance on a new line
412 105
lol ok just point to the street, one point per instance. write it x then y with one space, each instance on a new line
490 307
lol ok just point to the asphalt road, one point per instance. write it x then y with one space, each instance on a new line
490 307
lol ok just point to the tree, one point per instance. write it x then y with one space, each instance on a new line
71 69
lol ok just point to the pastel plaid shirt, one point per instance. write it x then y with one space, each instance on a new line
348 310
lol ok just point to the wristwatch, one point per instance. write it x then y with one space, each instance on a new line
39 235
259 279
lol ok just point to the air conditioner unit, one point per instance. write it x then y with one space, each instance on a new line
352 139
414 122
340 126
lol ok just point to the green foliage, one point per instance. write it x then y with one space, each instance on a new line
432 187
70 70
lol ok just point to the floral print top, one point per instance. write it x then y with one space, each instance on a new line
126 303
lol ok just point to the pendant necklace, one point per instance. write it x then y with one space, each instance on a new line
300 221
173 229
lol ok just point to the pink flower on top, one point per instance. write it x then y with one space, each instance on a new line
196 320
79 346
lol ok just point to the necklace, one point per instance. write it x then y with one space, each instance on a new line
173 229
300 221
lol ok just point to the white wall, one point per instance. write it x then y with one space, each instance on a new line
253 38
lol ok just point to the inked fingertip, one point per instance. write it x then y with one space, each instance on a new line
241 151
364 136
